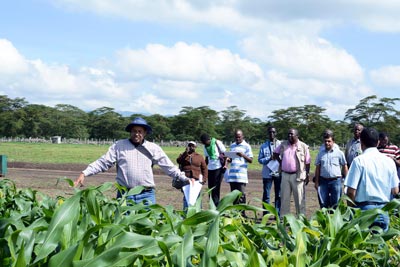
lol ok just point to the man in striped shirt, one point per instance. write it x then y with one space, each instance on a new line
389 150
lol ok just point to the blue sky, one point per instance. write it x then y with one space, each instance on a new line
158 56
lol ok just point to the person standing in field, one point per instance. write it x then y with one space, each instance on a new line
294 157
265 156
237 176
134 158
389 149
213 153
372 178
194 166
331 166
353 146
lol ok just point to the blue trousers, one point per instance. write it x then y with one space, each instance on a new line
329 192
382 220
267 185
147 195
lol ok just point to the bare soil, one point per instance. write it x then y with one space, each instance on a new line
48 179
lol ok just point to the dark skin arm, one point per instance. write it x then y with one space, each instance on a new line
182 156
307 180
204 171
248 159
351 193
277 157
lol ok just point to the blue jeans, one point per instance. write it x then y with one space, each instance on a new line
329 192
382 220
267 185
148 196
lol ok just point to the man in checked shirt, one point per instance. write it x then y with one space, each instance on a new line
134 158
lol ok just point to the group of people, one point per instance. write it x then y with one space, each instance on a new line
368 168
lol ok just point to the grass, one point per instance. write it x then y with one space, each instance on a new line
87 153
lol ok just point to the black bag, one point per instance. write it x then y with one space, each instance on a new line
178 183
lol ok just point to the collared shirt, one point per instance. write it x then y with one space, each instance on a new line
134 164
214 164
238 167
331 162
353 149
289 157
372 175
264 156
391 151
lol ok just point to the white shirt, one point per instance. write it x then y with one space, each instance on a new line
373 175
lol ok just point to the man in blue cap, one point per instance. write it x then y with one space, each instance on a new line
134 158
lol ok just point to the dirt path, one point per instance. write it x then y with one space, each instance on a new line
45 178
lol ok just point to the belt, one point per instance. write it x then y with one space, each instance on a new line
148 189
145 189
289 172
331 179
365 203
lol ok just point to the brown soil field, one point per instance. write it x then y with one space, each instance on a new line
45 179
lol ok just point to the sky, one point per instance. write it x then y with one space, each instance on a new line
155 57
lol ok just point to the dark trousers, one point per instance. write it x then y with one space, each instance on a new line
267 185
214 182
241 187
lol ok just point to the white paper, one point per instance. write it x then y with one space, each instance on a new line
191 192
231 154
273 165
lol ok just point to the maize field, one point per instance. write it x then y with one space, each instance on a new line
90 229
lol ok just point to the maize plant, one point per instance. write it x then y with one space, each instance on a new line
91 229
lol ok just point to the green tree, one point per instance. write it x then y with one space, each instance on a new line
71 122
192 122
11 116
161 127
378 113
308 120
38 121
232 119
105 123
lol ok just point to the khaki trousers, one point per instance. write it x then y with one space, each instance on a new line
289 185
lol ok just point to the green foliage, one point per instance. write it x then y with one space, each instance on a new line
20 119
90 229
378 113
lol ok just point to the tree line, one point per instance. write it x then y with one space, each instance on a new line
18 118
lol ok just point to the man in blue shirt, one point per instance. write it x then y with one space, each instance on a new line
265 157
372 178
330 167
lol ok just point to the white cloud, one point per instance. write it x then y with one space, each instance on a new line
302 56
388 76
11 61
187 62
55 78
242 15
149 103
